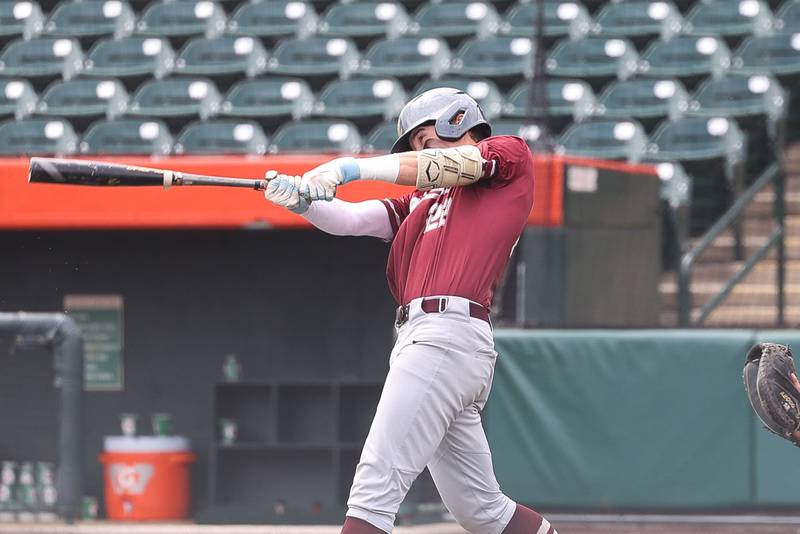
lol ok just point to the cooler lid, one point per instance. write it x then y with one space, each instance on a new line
146 444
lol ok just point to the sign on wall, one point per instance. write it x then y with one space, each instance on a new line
100 319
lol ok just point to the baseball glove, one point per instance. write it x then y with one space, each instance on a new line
769 387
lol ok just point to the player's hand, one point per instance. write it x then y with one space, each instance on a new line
320 183
284 190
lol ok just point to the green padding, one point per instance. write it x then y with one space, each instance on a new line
777 461
622 419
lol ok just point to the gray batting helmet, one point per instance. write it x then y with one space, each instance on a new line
452 111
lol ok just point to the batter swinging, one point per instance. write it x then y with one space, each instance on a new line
451 240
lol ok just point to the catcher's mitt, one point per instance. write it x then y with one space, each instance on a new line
770 389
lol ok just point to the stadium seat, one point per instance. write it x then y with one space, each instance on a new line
483 90
407 58
605 139
787 17
596 60
567 100
532 133
91 19
649 101
37 136
318 59
269 100
732 19
561 19
639 21
225 59
363 101
22 18
775 54
130 59
457 20
83 100
381 137
364 21
222 136
317 136
180 20
503 58
273 19
687 57
17 98
176 100
759 105
127 136
710 150
44 59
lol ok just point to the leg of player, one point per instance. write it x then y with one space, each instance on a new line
427 387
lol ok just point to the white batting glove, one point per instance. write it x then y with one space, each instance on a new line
284 190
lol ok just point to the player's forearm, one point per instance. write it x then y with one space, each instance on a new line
424 169
338 217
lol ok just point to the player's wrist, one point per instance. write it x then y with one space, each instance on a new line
380 168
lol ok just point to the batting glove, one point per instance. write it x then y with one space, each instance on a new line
320 183
284 190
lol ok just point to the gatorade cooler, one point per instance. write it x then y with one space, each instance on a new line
146 478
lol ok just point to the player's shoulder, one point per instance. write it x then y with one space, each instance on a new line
510 144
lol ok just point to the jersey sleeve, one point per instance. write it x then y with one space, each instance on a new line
397 209
508 158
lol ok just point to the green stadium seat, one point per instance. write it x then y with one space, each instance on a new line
561 19
639 20
91 19
775 54
20 19
733 19
127 136
317 136
365 20
532 133
177 20
567 100
37 136
759 105
710 149
222 136
364 101
498 58
649 101
787 18
605 139
456 19
483 90
687 57
269 100
45 58
130 58
273 19
409 58
229 54
596 60
17 98
381 137
315 57
83 100
176 100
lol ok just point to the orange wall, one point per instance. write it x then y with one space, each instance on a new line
24 205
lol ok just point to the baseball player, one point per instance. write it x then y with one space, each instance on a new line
450 242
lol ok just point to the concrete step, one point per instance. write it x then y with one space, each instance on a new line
764 203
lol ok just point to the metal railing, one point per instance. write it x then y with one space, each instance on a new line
731 219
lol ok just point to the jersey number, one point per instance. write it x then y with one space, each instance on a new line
437 214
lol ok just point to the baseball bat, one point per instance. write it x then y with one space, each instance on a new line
99 173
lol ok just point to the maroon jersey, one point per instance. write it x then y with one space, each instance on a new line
456 241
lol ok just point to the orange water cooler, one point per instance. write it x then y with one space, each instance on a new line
147 478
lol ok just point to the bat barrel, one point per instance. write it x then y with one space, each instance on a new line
78 172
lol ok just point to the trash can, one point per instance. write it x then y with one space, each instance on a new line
146 477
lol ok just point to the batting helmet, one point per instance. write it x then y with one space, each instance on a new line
452 111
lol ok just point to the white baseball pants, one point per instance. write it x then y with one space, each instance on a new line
440 374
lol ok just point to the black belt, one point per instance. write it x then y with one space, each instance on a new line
439 305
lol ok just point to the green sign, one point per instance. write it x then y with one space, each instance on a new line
100 319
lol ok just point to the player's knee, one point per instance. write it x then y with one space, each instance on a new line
483 516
